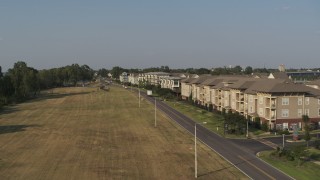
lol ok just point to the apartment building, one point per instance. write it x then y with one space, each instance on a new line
133 78
279 102
124 77
172 83
186 88
196 89
154 78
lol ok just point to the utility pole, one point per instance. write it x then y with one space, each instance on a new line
139 93
155 112
247 129
195 151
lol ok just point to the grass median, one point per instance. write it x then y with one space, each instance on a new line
307 170
212 121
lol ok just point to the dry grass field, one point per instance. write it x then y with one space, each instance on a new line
82 133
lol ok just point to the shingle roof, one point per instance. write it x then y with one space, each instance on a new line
260 75
280 86
157 73
200 79
280 75
243 84
315 82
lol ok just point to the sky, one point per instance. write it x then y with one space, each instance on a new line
151 33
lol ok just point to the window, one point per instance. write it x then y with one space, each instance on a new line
251 98
260 100
306 112
285 112
261 111
299 112
307 101
251 109
285 101
285 126
299 101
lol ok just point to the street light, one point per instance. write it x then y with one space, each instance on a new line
139 92
155 112
195 151
247 129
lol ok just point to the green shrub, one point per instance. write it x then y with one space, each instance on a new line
265 127
286 132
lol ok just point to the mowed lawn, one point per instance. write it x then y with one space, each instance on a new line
82 133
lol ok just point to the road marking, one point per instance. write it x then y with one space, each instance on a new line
268 143
256 167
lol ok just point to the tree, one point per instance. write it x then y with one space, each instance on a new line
264 126
30 82
257 122
237 69
16 75
220 71
202 71
261 70
103 72
116 72
248 70
165 68
25 80
307 136
6 88
1 72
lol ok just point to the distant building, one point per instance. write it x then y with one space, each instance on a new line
133 78
124 77
282 68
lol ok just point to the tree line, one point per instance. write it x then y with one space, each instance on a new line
21 82
237 70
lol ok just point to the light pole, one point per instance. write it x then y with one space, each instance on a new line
282 140
195 150
247 129
139 92
155 112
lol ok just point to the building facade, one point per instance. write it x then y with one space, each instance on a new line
278 102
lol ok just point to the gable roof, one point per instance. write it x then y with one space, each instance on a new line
280 86
200 79
278 75
315 82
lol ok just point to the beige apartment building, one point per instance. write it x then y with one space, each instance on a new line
133 78
279 102
172 83
186 88
154 78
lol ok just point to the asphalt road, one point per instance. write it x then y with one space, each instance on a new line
241 153
279 140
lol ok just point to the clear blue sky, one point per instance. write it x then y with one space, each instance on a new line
145 33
